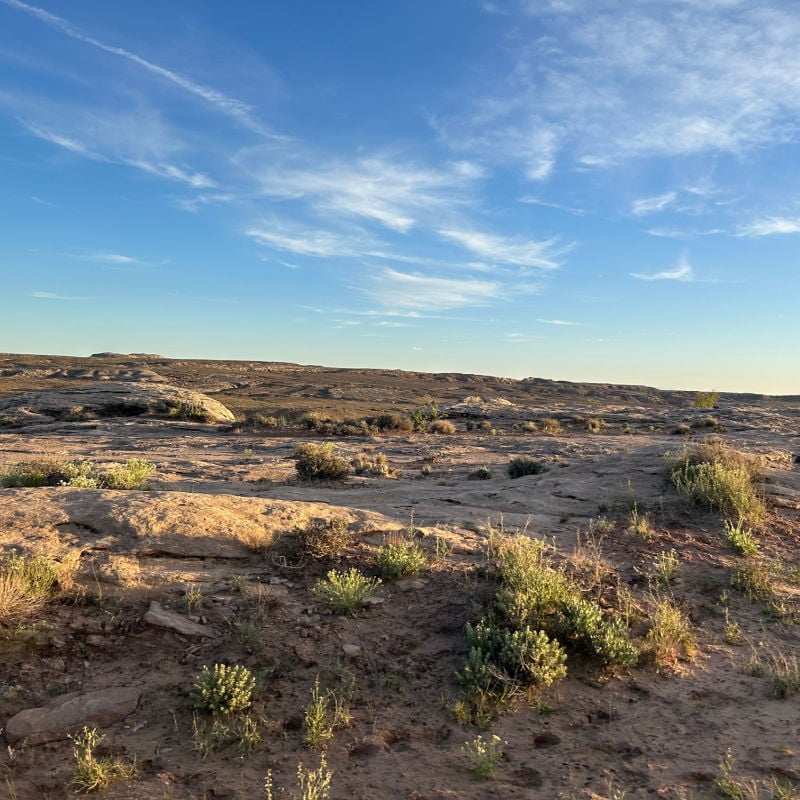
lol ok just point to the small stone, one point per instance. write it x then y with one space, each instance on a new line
351 650
411 585
162 618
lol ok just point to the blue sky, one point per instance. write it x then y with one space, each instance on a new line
574 189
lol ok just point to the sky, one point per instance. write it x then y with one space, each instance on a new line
587 190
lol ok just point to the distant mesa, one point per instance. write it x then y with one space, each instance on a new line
125 355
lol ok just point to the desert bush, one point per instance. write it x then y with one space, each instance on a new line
323 716
27 582
481 474
400 556
534 593
505 662
192 412
255 421
319 462
550 425
529 427
766 581
681 429
665 567
595 425
223 689
391 422
524 465
442 426
94 774
17 605
374 465
706 399
718 479
706 422
130 475
210 734
346 591
639 523
424 414
740 538
485 755
670 636
321 539
311 784
36 472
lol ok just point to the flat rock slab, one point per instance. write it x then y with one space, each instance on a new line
179 524
163 618
70 712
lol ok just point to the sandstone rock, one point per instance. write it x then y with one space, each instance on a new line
162 618
70 712
114 399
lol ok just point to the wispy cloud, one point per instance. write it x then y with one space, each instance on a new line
598 83
404 290
682 272
55 296
236 109
42 202
771 226
561 322
504 250
307 242
140 139
112 258
386 190
538 201
649 205
67 142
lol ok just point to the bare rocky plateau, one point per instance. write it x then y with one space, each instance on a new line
223 514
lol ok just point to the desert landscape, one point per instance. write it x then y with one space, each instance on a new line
239 579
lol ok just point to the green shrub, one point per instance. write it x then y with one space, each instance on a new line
94 774
524 465
505 662
311 784
400 557
670 636
346 591
740 538
324 714
422 415
706 399
130 475
223 689
192 412
319 462
34 473
534 593
486 755
718 479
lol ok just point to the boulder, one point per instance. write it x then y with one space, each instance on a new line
114 399
71 712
